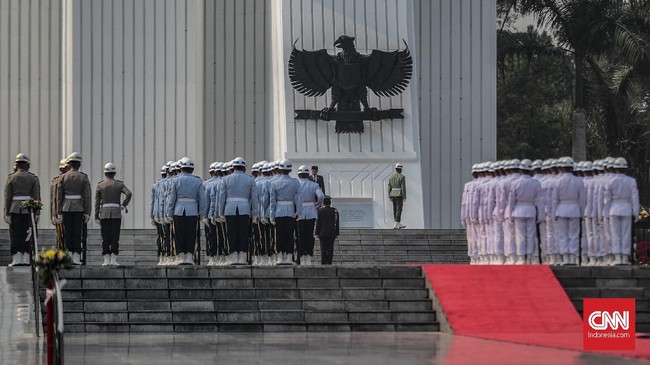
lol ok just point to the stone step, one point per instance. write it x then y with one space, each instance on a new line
249 327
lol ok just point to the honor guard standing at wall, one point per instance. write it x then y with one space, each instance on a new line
569 201
397 194
74 209
327 229
187 203
108 212
309 197
238 201
155 214
20 186
54 186
264 198
318 179
283 195
621 205
523 205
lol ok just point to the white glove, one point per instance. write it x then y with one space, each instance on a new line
7 219
222 219
54 221
272 221
214 221
59 219
97 221
265 221
153 222
404 199
255 220
36 218
86 218
205 221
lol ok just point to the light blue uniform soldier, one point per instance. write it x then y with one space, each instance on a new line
155 214
238 201
187 203
283 195
267 237
259 253
310 195
210 228
223 249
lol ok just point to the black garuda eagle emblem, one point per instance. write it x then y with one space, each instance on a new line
349 74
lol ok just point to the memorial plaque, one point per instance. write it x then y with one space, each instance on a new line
355 214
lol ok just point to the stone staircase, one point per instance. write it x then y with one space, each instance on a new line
354 246
193 299
609 282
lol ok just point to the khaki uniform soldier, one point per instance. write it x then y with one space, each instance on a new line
20 186
108 212
397 194
54 185
74 197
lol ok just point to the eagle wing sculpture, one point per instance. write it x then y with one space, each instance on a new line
349 74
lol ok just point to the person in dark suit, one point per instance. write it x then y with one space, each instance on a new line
327 229
318 179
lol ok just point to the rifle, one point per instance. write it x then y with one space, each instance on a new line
197 245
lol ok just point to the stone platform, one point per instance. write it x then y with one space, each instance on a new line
609 282
198 299
354 246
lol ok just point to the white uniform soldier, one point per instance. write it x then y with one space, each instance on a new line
465 218
589 216
498 214
540 169
488 211
569 200
523 204
621 199
609 174
553 256
478 202
597 210
509 243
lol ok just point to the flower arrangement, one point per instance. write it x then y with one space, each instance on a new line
50 263
32 205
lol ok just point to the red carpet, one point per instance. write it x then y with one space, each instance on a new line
521 304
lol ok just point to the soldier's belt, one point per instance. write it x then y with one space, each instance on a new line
73 197
285 202
308 204
396 189
110 205
21 197
620 201
525 202
236 200
186 200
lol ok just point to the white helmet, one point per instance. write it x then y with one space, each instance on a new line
109 167
566 162
163 170
255 167
187 163
475 168
526 164
514 164
74 156
303 169
587 166
169 163
212 167
22 157
399 166
175 166
268 167
62 163
285 165
578 166
609 162
239 161
598 165
537 164
620 163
